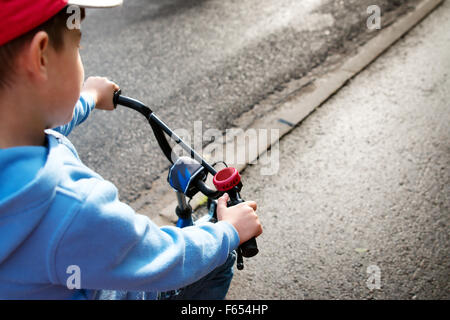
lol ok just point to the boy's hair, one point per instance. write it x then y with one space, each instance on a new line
54 27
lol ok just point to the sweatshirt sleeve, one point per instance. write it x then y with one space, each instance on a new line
83 108
117 249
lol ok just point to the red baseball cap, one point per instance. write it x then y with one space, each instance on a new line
17 17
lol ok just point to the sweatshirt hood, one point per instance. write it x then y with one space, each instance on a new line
25 199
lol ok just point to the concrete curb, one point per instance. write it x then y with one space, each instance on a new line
298 106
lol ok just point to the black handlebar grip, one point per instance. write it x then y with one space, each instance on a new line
249 248
116 97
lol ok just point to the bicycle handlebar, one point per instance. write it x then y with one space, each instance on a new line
207 191
225 180
159 127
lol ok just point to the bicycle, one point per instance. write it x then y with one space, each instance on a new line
187 176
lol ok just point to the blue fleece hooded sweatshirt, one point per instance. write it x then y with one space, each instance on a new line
60 220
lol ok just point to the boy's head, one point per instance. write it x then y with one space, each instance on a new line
39 43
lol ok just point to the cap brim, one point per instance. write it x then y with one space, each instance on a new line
96 3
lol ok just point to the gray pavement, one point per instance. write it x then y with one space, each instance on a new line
196 59
363 185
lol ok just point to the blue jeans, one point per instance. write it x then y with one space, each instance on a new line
214 286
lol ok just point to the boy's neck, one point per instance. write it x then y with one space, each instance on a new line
19 125
10 139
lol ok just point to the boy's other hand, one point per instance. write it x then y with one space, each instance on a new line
103 90
241 216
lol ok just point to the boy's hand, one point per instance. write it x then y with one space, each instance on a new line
103 90
241 216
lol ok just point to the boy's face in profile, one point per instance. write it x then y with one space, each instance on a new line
41 73
65 78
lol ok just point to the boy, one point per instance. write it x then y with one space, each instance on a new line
63 232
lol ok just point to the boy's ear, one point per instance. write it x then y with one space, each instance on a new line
37 57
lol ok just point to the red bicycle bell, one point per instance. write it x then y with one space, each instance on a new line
226 179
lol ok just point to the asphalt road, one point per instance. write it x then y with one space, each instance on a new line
207 60
360 207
